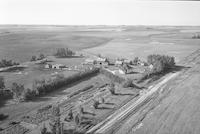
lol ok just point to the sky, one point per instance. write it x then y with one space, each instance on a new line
99 12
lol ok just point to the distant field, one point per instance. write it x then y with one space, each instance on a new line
21 42
21 45
175 44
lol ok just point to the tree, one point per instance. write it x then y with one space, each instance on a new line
33 58
17 90
43 129
136 60
77 121
96 104
64 52
128 83
81 110
112 89
2 84
54 123
41 56
161 63
70 115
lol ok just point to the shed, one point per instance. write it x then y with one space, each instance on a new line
48 66
118 63
89 61
58 66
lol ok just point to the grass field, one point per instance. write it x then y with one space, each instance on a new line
21 45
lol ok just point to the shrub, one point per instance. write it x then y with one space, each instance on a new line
54 123
197 36
135 61
77 120
43 130
128 83
112 89
70 115
41 56
33 58
96 104
81 110
28 94
2 84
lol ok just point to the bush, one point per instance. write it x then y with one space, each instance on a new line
64 52
135 61
33 58
112 89
43 130
54 123
128 83
2 83
28 94
41 56
197 36
96 104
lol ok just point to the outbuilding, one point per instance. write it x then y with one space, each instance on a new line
58 66
47 66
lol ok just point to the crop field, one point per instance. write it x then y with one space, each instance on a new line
21 45
177 44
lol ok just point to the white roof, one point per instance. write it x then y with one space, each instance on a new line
101 59
118 62
89 60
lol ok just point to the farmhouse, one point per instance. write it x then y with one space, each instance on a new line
110 61
101 61
127 61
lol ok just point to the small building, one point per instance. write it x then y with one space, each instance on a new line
118 63
110 61
101 59
89 61
150 66
58 66
126 61
47 66
121 71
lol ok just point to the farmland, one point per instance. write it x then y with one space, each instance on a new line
98 43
